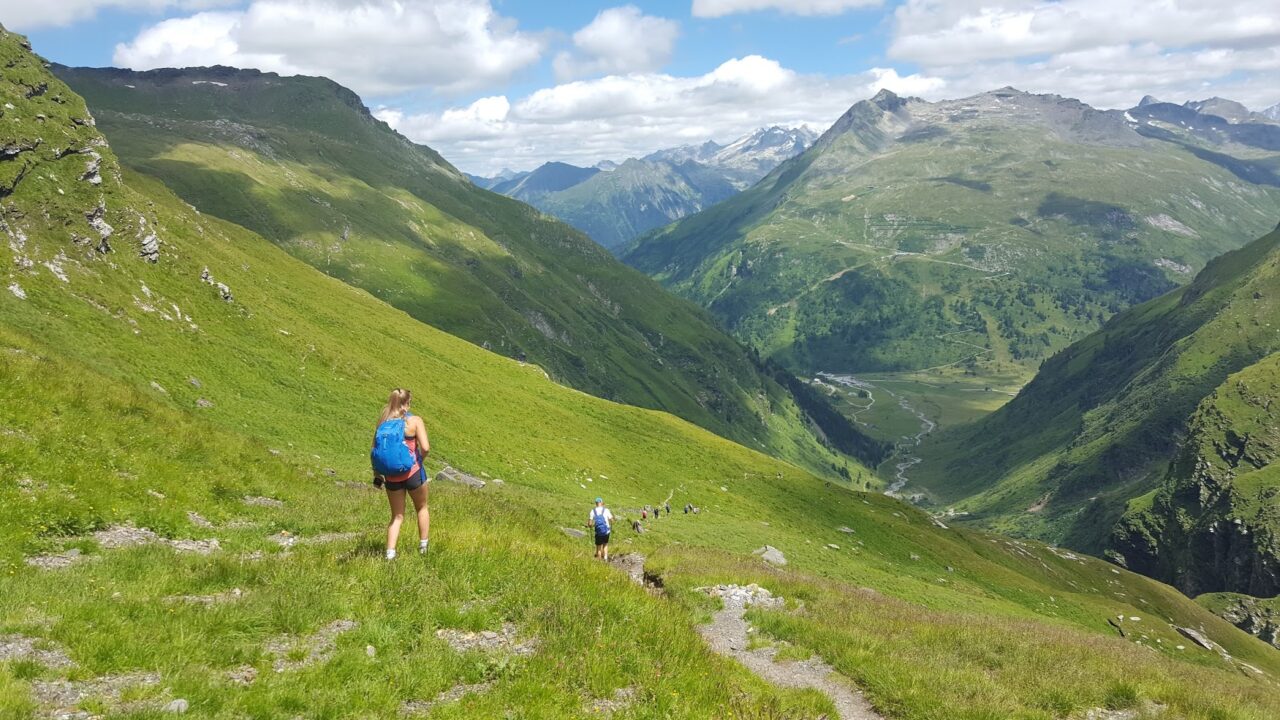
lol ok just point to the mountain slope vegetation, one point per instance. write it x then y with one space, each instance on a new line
1101 421
980 232
1213 525
185 520
302 162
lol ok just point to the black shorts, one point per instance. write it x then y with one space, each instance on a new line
413 483
602 538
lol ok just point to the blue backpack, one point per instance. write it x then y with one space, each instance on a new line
390 455
602 524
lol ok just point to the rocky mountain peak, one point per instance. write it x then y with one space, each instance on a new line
887 100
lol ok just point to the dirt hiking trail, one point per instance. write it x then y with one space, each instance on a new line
727 635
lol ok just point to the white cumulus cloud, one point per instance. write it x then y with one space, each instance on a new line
913 85
720 8
24 15
1108 53
377 47
961 31
621 116
619 40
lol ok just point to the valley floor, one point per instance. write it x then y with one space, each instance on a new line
904 408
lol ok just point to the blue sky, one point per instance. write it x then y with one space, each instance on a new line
840 44
497 83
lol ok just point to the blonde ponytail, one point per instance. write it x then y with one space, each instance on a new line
397 405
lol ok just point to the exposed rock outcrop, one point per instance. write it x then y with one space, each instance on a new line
1214 524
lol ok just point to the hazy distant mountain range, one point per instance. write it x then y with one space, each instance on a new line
615 202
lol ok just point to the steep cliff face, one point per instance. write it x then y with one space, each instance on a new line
1214 524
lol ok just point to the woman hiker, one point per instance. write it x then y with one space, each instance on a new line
400 446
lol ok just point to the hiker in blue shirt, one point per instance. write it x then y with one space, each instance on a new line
601 522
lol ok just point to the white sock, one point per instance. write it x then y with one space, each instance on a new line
391 554
422 545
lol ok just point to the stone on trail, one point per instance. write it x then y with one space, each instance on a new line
21 647
198 520
243 675
622 699
315 648
771 555
56 561
488 640
259 501
62 698
449 474
178 706
453 694
744 595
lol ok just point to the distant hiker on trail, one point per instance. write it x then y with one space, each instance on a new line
601 521
667 506
644 514
400 446
657 512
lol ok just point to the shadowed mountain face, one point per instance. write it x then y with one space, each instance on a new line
986 230
613 203
302 162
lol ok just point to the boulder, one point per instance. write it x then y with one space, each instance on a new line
1197 637
452 475
771 555
573 532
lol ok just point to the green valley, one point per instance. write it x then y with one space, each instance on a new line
302 162
971 233
186 524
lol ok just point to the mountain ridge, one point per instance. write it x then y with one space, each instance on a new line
626 199
1041 215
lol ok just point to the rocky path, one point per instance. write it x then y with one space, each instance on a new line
727 635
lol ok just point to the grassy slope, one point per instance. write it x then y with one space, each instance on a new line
300 161
1214 523
960 623
1101 421
909 237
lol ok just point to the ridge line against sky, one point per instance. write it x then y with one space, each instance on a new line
515 83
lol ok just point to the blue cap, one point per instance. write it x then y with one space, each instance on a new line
599 500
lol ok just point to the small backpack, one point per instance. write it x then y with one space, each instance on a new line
601 522
391 455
